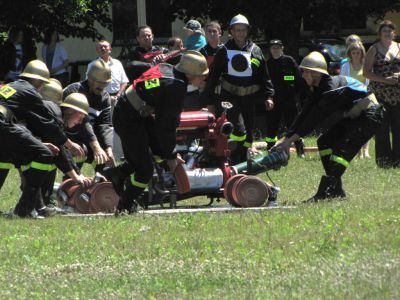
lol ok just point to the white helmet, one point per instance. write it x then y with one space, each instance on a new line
239 19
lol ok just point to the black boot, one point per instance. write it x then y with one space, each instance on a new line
299 145
338 191
127 202
25 207
42 209
323 189
117 177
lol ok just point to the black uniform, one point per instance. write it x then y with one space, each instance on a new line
20 100
341 142
137 64
288 83
160 90
99 119
245 81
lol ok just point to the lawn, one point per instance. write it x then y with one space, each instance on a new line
334 250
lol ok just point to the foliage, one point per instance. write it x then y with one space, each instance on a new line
74 18
332 250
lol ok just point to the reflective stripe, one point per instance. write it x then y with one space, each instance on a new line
157 159
80 160
325 152
5 166
137 183
340 160
43 167
25 167
237 138
271 140
288 77
255 61
247 144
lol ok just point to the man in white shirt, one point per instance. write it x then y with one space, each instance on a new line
118 84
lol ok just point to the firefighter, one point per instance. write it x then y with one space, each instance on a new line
244 82
288 84
146 118
21 102
361 116
99 149
70 114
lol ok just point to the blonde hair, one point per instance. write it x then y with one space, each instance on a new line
352 38
356 46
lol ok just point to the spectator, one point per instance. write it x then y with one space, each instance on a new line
175 43
352 38
115 88
145 54
195 35
382 68
55 56
16 52
353 67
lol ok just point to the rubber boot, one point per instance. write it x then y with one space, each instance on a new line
338 191
117 177
127 202
299 145
25 207
323 189
41 208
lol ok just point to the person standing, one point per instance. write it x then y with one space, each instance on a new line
382 68
288 84
55 56
195 35
353 67
245 81
145 55
361 117
146 118
115 88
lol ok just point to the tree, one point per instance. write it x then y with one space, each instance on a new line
74 18
283 18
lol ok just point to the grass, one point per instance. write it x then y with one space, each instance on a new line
336 250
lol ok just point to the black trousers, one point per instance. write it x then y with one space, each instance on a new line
139 144
22 149
388 149
284 109
341 143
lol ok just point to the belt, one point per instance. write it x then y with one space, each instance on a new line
360 106
240 90
138 104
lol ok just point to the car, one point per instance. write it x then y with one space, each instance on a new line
333 49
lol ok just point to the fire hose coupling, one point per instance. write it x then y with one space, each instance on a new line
273 161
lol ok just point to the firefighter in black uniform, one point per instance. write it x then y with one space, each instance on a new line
146 118
138 62
71 115
288 84
338 146
245 81
21 101
99 150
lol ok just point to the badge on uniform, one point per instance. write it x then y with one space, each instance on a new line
7 91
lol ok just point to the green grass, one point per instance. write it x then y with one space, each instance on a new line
337 250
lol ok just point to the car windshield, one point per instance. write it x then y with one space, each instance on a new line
335 51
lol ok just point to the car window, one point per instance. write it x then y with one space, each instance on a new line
336 52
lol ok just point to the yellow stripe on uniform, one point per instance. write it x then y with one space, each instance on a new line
255 61
340 160
325 152
271 140
247 144
237 138
43 167
5 166
137 183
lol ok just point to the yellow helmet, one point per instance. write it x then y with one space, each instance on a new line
36 69
52 91
99 71
76 101
192 63
315 61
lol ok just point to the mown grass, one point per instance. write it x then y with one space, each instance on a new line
337 250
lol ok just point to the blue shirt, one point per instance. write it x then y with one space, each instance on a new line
195 41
